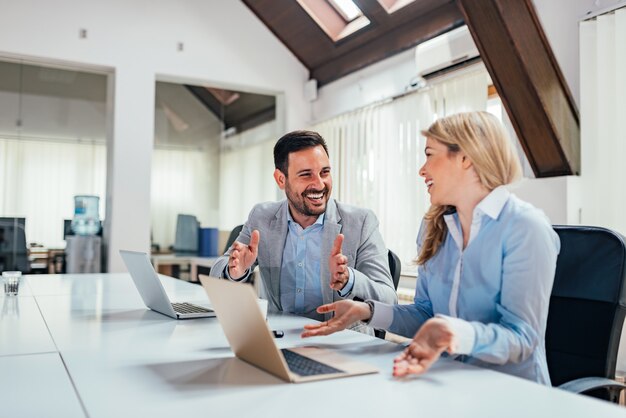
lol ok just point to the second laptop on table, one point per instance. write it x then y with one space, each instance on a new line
152 292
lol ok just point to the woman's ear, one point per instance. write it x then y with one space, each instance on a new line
465 161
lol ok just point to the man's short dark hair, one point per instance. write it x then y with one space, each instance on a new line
293 142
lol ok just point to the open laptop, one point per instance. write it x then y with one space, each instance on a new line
251 340
152 291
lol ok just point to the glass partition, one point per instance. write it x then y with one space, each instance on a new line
52 147
212 158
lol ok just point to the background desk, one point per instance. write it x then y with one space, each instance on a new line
162 263
100 353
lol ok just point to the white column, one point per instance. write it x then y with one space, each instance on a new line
129 156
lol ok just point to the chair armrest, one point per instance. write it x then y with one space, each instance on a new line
586 384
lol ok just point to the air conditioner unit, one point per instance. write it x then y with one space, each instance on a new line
445 52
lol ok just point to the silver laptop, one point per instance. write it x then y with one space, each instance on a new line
251 340
152 292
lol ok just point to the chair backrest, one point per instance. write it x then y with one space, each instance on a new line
588 304
13 251
394 267
232 237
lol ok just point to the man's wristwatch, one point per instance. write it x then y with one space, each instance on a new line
370 303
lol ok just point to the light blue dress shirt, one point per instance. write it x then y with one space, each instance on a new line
300 281
496 290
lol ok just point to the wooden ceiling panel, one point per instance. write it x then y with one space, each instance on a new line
392 42
399 23
328 60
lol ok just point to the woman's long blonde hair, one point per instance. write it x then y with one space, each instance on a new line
483 139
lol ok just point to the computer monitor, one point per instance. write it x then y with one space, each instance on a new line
13 251
186 234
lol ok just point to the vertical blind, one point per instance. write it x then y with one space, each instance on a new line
603 132
376 153
183 182
246 178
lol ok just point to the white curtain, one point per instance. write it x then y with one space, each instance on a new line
246 178
184 181
38 181
603 132
376 153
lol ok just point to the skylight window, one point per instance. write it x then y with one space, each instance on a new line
394 5
347 9
337 18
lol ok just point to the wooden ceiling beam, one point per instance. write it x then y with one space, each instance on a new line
534 92
372 10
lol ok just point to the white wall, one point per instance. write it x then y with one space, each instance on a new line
377 82
136 41
558 197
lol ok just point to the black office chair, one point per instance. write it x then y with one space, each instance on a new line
587 310
394 268
232 237
13 251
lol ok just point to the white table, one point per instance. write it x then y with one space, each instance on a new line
123 360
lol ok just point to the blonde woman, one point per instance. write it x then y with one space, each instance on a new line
486 261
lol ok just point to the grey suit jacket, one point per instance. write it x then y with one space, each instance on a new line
363 246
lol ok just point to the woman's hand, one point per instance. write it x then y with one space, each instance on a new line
432 339
346 312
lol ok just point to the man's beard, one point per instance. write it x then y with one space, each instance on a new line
299 201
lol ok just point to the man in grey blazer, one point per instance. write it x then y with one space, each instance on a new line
310 249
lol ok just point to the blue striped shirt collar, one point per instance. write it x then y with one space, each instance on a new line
319 221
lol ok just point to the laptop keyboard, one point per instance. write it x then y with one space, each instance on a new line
185 308
305 366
